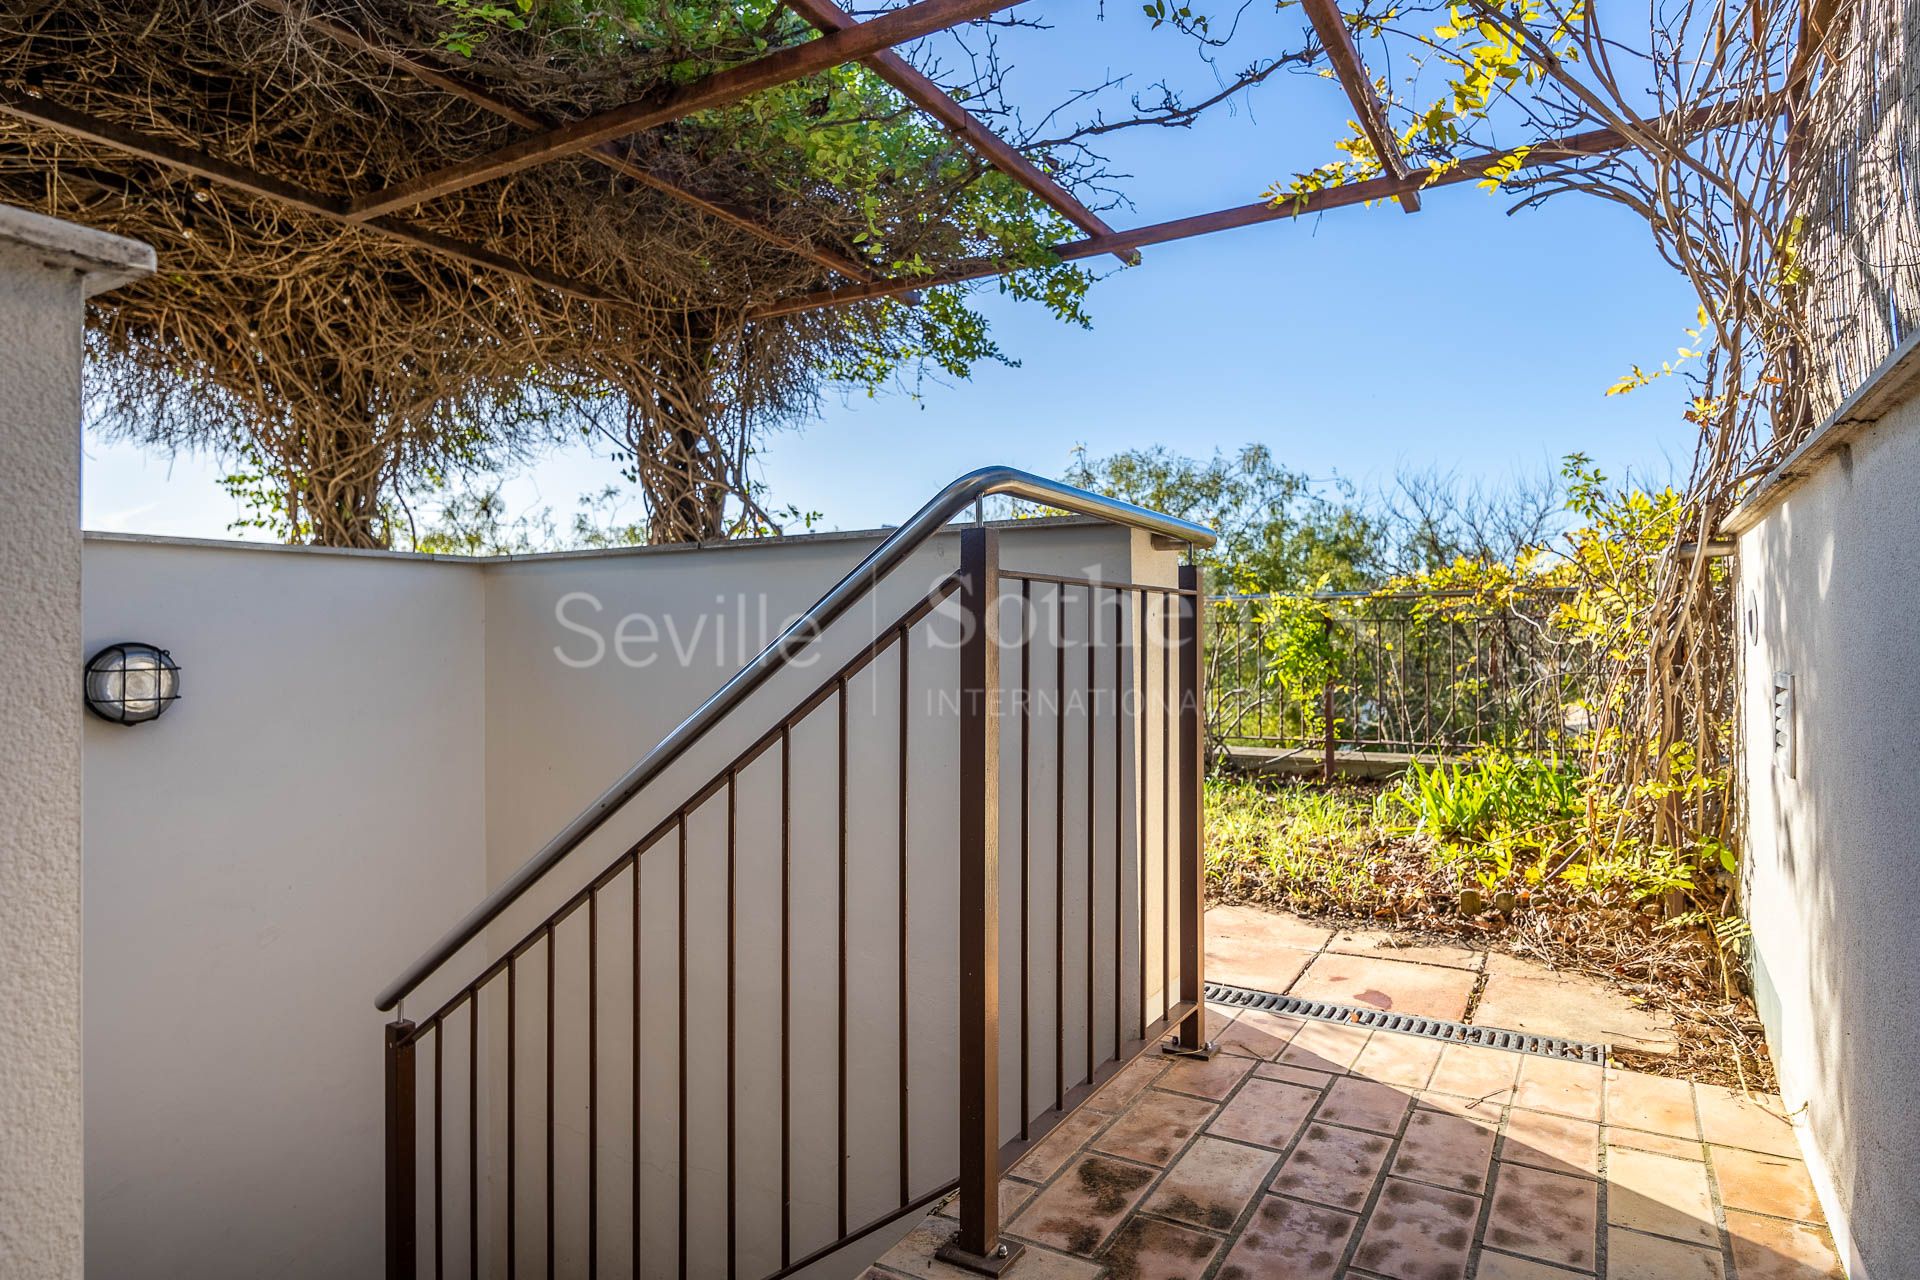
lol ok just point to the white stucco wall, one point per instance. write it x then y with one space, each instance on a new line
1830 594
366 742
259 862
47 270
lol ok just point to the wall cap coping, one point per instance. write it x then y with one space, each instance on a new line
1891 382
104 260
589 553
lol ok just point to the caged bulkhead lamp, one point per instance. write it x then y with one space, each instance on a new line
131 683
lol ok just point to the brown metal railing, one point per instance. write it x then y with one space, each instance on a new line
1422 673
471 1190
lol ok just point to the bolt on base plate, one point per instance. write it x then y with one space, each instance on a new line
996 1263
1174 1049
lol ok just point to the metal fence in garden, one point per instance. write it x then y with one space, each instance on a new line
1426 674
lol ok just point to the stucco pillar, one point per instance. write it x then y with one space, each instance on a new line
48 269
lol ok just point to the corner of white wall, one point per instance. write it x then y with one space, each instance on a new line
47 270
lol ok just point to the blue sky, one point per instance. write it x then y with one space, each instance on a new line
1354 343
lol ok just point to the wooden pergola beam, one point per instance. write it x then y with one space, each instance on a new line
918 89
1344 54
717 90
605 153
1471 168
76 124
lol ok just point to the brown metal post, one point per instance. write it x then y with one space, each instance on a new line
1192 1039
400 1154
1326 713
978 1246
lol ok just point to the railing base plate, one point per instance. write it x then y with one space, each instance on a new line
992 1264
1174 1049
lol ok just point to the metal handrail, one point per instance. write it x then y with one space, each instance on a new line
951 501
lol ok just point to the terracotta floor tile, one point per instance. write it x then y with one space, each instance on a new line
1418 1233
1287 1240
1206 1077
1325 1046
1265 950
1365 1104
1259 1033
1655 1104
1565 1088
1450 1150
1661 1196
1558 1143
1398 1059
1678 1148
914 1256
1232 925
1116 1093
1553 1217
1293 1075
1487 1113
1149 1250
1767 1249
1468 1071
1333 1166
1392 945
1504 1266
1397 985
1155 1127
1013 1197
1212 1183
1729 1119
1083 1206
1632 1256
1048 1156
1773 1185
1269 1112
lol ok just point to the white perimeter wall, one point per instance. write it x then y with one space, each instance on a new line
258 863
366 742
1830 593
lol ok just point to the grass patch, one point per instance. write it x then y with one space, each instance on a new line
1399 855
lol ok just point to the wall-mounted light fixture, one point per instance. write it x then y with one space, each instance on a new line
131 683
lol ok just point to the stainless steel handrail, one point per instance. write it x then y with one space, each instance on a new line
902 542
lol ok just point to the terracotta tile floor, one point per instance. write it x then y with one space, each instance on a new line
1309 1151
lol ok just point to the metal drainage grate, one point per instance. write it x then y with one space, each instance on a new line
1407 1023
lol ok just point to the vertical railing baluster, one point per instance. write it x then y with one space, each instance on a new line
906 1194
680 934
1119 811
1026 851
1140 794
1193 862
633 1226
733 1224
638 1094
473 1133
551 965
513 1107
1093 827
786 997
439 1148
840 966
593 1083
978 1246
401 1170
1059 847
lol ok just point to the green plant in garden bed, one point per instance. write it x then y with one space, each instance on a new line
1496 822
